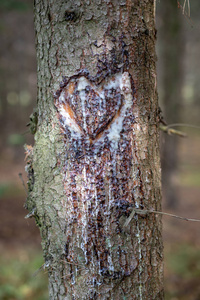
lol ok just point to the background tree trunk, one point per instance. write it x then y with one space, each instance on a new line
172 49
96 154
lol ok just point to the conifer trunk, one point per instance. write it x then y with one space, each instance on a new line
96 153
172 52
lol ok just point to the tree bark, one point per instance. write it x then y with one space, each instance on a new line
96 153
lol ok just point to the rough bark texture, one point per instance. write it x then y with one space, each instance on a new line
96 154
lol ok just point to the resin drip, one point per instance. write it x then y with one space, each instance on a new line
97 123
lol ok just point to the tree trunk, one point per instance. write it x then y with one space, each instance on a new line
96 154
172 49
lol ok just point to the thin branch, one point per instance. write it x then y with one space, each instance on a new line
189 8
188 5
31 214
173 216
169 130
145 212
172 131
183 125
22 180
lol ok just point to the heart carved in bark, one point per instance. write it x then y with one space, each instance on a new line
88 108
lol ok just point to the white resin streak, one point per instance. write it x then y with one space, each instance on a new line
84 215
138 233
140 260
83 98
122 82
82 83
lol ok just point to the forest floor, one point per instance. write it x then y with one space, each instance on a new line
20 239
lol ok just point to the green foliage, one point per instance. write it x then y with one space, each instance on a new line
16 139
185 262
10 189
182 272
14 5
190 177
17 280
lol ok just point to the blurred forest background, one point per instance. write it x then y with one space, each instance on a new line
178 50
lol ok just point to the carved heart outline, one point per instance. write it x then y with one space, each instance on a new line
87 108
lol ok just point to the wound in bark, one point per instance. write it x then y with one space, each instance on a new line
96 121
71 16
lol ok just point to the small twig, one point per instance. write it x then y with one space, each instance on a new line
173 216
31 214
168 128
43 267
22 180
188 5
188 8
145 212
183 125
172 131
